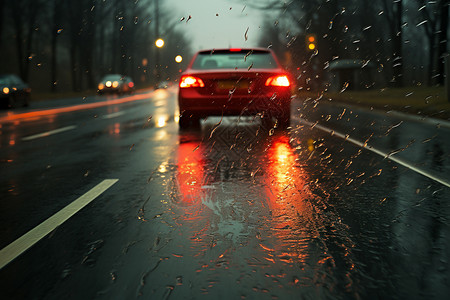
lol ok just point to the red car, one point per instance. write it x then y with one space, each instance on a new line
224 82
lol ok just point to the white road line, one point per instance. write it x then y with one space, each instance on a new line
113 115
16 248
47 133
379 152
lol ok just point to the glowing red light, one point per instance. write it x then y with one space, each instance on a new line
191 81
278 81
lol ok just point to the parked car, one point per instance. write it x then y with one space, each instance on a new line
116 83
223 82
162 85
13 91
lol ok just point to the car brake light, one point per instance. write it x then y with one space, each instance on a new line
191 81
235 49
278 81
5 90
131 84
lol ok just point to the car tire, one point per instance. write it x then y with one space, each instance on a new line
184 121
12 101
188 120
284 119
26 100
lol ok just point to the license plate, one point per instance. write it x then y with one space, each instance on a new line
228 85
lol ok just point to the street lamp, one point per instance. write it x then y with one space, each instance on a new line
159 43
178 58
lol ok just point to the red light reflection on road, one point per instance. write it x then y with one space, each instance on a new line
190 172
115 130
287 191
12 140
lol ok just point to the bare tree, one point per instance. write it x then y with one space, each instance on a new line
55 31
442 39
25 15
2 17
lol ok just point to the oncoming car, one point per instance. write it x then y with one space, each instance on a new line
226 82
116 83
13 91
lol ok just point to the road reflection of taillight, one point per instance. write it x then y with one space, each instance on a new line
190 172
278 81
191 81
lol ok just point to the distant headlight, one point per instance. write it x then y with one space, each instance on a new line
101 86
108 83
115 84
5 90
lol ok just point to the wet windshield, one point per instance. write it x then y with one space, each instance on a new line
256 149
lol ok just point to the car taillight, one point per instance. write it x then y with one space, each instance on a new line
131 84
278 81
191 81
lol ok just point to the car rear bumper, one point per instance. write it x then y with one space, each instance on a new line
275 103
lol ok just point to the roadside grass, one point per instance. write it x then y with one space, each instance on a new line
425 101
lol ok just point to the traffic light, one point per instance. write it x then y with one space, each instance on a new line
311 42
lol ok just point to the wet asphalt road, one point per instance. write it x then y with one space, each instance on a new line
231 210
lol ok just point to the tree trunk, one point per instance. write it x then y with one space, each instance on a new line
442 40
397 44
2 16
54 42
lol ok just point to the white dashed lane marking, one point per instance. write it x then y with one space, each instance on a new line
47 133
113 115
16 248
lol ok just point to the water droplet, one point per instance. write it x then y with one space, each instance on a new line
380 68
344 87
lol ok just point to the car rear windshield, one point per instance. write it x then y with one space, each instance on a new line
112 77
243 59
